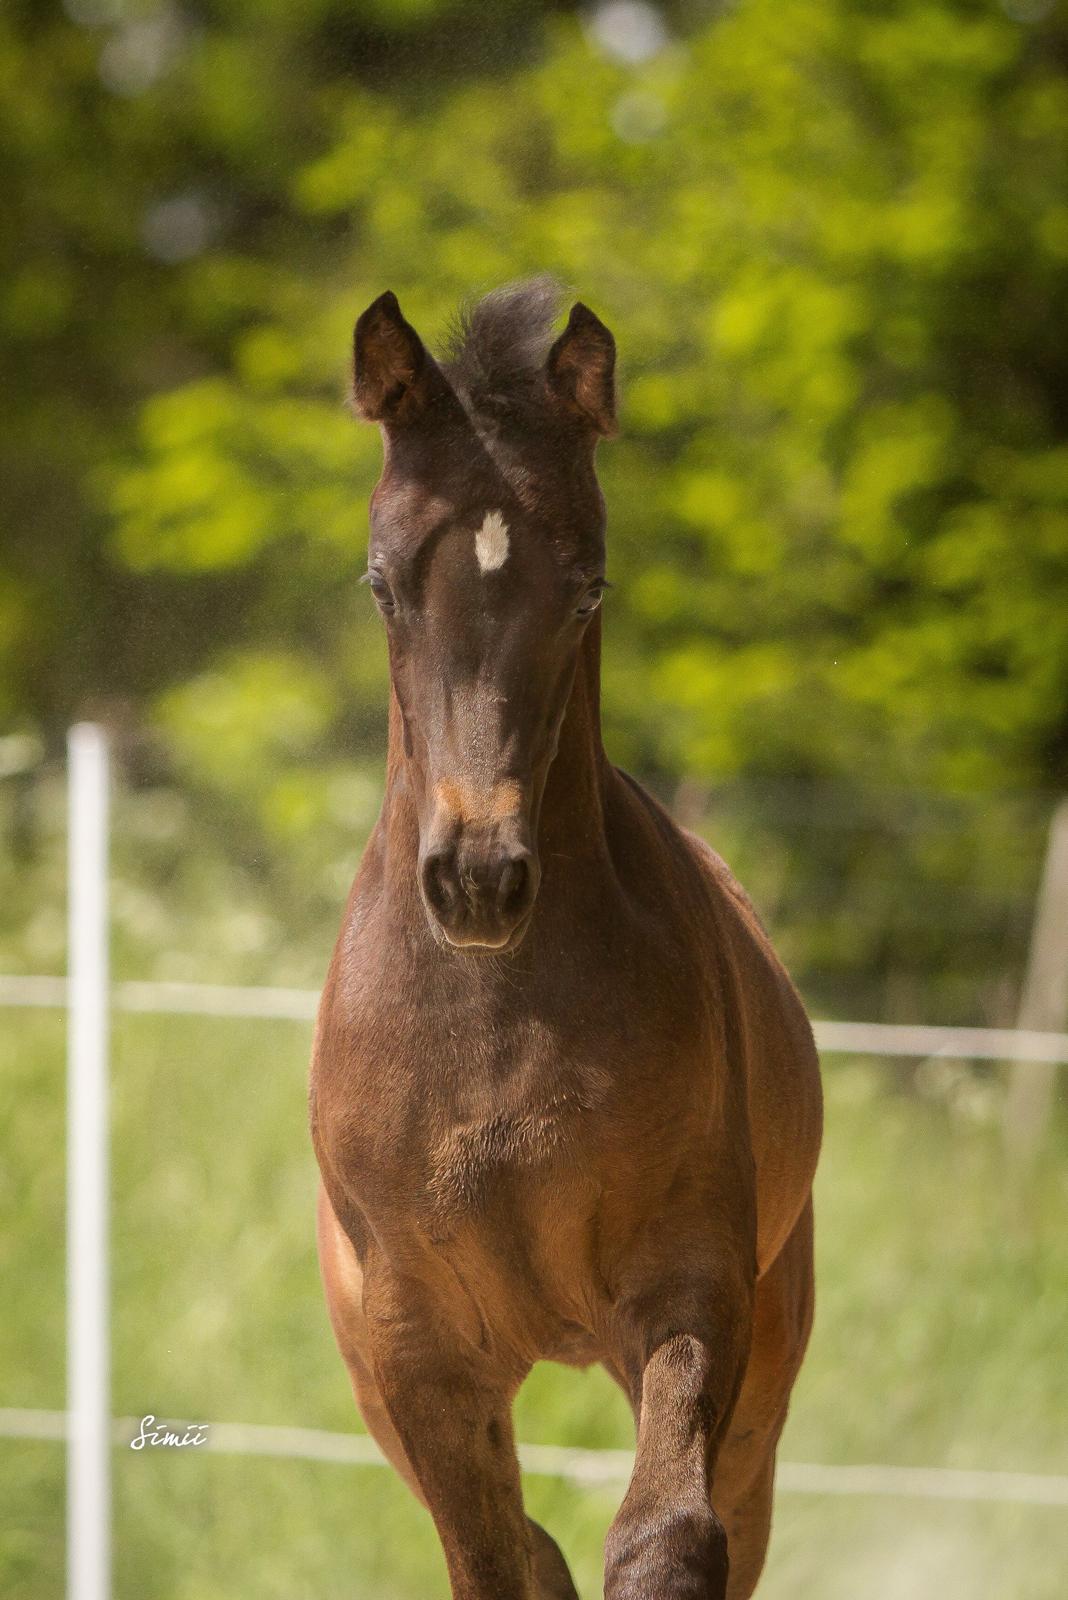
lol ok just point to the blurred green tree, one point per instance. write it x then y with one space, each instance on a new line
833 242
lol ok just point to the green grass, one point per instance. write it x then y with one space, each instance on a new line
943 1290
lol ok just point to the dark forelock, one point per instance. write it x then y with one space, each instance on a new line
495 353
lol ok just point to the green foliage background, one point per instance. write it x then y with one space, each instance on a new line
832 239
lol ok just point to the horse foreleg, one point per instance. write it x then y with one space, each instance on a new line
551 1572
451 1411
667 1540
343 1282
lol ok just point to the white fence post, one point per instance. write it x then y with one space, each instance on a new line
1044 1000
88 1386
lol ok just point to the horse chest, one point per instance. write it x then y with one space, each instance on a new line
492 1123
483 1115
509 1205
497 1154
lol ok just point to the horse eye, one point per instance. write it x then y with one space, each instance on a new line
592 598
381 591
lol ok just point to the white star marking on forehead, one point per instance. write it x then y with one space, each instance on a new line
491 542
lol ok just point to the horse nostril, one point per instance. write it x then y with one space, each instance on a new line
476 897
440 882
513 886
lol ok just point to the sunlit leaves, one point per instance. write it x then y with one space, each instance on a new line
832 241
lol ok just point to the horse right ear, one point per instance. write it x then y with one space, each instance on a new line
392 374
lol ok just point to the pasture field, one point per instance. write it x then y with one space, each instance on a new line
940 1340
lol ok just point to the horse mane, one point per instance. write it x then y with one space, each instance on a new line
495 351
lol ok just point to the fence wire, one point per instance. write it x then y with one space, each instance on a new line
299 1005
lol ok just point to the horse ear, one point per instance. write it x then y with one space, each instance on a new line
392 374
581 369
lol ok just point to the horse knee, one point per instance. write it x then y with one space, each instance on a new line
677 1553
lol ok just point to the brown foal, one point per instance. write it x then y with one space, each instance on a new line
565 1100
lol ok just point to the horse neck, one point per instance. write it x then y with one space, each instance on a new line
572 812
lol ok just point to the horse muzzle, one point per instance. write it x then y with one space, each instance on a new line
479 890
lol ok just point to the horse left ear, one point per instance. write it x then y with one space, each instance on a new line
581 369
